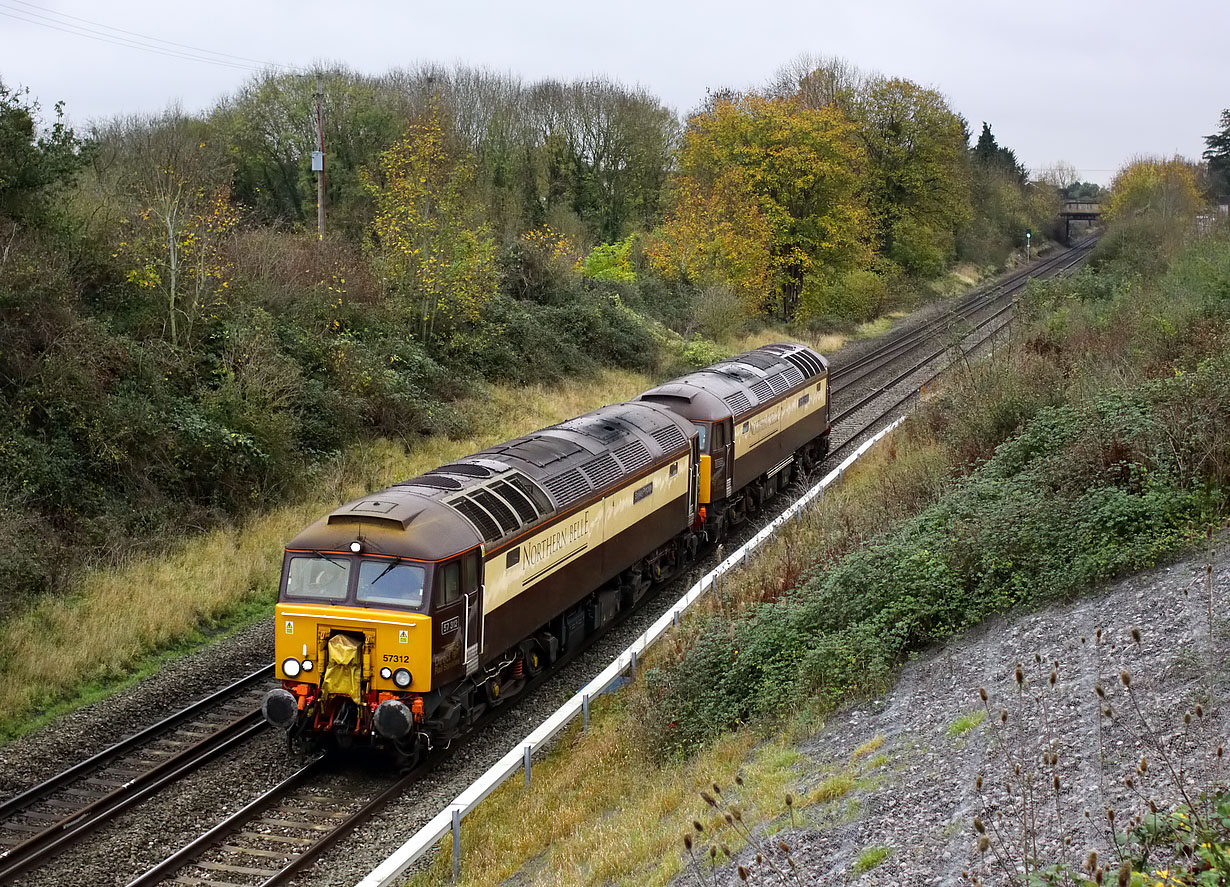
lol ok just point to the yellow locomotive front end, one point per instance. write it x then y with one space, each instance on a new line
353 644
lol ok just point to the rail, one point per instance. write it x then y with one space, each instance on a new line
520 756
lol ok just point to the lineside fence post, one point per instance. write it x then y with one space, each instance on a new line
529 757
585 712
456 845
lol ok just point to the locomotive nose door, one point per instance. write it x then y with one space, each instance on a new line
722 448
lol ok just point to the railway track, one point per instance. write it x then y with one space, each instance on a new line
51 816
948 332
283 831
279 834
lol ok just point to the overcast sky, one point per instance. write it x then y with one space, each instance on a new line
1089 82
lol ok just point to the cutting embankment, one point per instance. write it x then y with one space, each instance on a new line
1095 445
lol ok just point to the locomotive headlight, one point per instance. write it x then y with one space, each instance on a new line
308 665
356 547
401 678
386 672
290 668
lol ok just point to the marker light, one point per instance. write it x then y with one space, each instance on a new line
386 672
290 668
401 678
356 546
308 665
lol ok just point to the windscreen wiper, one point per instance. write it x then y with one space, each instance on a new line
393 563
321 554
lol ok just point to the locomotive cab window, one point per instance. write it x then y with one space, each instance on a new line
719 437
703 437
390 582
318 578
450 583
470 572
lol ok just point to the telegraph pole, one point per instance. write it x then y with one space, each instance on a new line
318 159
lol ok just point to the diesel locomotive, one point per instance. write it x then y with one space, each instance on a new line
405 615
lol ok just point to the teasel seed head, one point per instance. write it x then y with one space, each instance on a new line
759 858
1020 676
717 790
1219 750
1125 873
739 781
1098 876
982 693
783 846
1125 678
708 799
1092 862
789 799
696 825
1136 635
1143 766
1199 710
736 813
742 873
1099 635
1055 782
984 844
730 820
1128 781
687 841
1100 691
726 850
1152 807
1187 718
1054 677
1110 814
713 851
1003 715
1037 658
979 826
978 783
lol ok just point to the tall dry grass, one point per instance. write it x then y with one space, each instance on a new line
68 649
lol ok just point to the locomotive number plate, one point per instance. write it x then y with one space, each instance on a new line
448 626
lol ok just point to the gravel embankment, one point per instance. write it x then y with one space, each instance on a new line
916 794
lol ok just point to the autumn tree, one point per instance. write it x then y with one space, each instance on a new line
1164 189
431 251
173 179
801 170
915 146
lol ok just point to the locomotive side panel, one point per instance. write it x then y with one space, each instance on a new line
763 439
544 574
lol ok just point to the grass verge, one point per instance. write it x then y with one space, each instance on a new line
122 624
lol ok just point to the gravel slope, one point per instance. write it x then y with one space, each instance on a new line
917 795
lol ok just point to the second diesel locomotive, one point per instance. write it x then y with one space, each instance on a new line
406 614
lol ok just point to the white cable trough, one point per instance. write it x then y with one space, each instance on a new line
519 756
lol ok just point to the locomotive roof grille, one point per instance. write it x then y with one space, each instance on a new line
633 455
440 481
483 522
567 487
498 509
792 377
602 471
806 363
763 391
531 490
520 502
738 403
670 438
